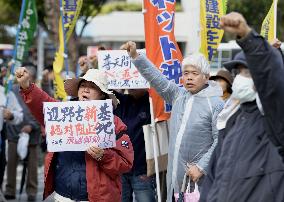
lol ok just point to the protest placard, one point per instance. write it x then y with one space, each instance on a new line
75 125
121 72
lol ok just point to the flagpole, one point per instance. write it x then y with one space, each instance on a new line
275 19
155 143
65 55
10 76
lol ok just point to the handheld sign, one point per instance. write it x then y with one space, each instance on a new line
75 125
121 72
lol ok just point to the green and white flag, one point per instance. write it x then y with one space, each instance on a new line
26 31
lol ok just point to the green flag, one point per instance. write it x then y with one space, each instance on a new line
26 31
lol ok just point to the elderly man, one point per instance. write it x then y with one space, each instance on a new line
30 126
249 167
193 133
11 112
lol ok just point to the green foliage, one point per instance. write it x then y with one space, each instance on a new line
255 11
120 6
124 6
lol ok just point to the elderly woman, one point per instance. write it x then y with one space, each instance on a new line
193 133
225 80
93 175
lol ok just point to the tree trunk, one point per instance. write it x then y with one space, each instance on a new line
52 19
73 52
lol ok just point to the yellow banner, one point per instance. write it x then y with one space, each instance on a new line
211 34
59 92
268 24
70 13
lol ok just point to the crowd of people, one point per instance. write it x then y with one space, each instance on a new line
226 133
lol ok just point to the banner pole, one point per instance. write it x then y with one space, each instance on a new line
275 19
10 75
65 56
155 143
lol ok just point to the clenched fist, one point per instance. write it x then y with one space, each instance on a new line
235 23
130 46
23 78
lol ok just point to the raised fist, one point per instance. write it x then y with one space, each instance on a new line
130 46
23 77
235 23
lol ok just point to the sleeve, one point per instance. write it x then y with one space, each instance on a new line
167 89
118 160
16 109
34 98
204 161
32 121
267 69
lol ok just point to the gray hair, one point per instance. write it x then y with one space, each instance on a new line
197 60
32 71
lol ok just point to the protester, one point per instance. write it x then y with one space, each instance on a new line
93 175
3 74
276 43
47 81
134 110
30 126
250 167
10 112
193 135
225 80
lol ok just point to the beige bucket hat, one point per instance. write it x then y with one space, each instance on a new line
96 76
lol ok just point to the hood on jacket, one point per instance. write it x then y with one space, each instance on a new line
212 90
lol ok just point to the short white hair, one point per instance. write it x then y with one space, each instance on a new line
197 60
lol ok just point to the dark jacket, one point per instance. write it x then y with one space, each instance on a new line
210 177
249 167
135 114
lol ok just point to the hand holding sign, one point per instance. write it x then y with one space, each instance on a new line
22 76
96 152
235 23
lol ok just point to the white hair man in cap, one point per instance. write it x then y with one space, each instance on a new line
92 175
195 106
249 167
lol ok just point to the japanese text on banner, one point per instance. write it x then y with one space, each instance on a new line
74 126
26 32
268 24
121 72
162 48
211 33
70 13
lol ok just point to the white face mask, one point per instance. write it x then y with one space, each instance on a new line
243 89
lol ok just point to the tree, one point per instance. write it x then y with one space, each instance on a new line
255 11
48 16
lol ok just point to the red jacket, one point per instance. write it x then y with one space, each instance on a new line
103 177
